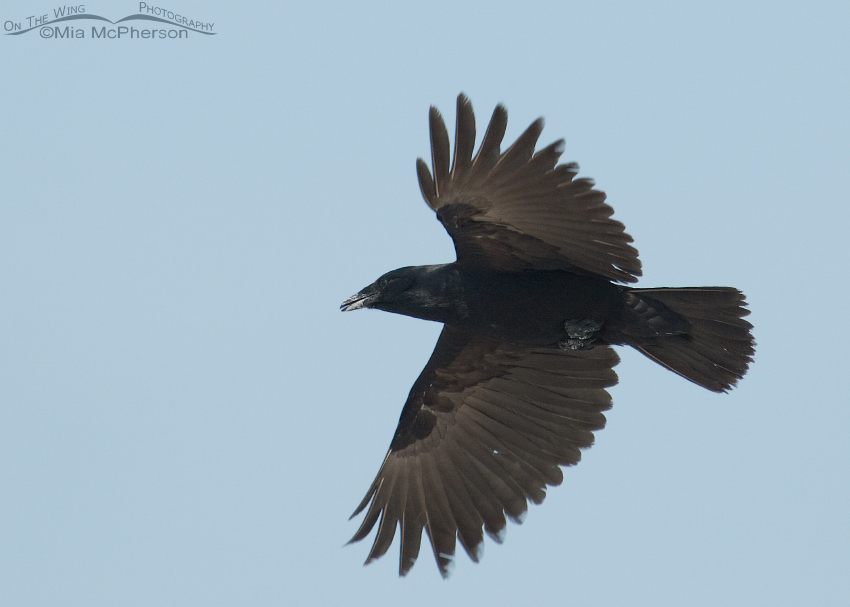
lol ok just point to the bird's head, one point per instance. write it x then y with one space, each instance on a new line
387 293
427 292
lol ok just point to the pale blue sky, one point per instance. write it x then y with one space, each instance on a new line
186 418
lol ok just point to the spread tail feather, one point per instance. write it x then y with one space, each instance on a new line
698 332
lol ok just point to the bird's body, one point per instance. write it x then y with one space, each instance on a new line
533 306
528 307
516 384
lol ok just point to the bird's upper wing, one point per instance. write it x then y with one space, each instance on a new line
519 209
484 429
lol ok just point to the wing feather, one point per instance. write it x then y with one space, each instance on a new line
414 519
464 143
489 152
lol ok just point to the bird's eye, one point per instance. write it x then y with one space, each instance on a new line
383 283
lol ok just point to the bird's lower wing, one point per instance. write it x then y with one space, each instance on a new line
484 429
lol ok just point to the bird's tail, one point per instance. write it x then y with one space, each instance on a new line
699 332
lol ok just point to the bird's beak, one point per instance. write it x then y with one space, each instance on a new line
363 299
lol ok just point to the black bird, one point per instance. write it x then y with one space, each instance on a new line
516 384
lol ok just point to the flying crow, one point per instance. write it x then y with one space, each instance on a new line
516 384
